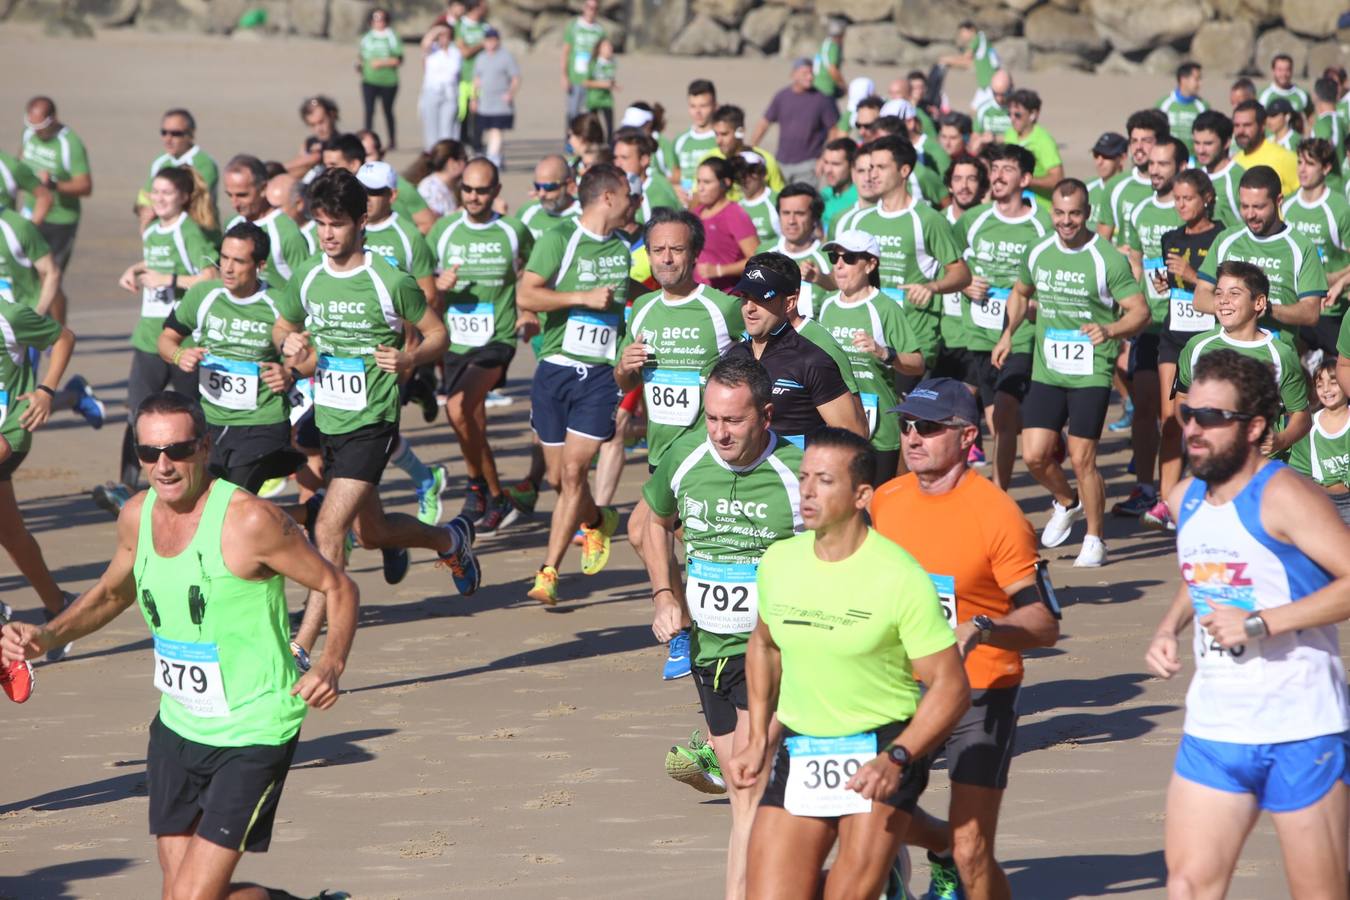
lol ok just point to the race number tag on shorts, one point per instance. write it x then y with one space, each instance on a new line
340 383
156 303
819 768
471 324
228 383
1068 352
869 405
672 396
6 290
723 598
190 674
591 334
1154 267
301 399
1185 317
989 314
946 591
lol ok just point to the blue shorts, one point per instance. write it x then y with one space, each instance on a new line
1282 777
580 399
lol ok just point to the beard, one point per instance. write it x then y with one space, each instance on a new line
1221 464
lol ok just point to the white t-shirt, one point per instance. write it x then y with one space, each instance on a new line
439 197
440 69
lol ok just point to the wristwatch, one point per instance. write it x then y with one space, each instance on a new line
1255 626
984 625
898 755
889 356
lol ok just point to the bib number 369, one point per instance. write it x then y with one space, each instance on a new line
190 674
819 769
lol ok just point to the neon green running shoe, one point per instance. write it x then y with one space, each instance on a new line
272 487
696 765
595 541
429 506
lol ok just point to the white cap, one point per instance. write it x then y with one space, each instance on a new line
854 241
859 89
753 158
901 108
636 118
377 176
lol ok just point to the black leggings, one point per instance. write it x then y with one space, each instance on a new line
369 94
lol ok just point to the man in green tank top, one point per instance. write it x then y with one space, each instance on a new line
206 564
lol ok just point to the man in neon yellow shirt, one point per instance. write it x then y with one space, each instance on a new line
1249 133
1024 109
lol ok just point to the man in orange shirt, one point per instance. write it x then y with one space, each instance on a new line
981 553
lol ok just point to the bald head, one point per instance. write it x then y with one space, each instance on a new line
281 193
551 169
1001 82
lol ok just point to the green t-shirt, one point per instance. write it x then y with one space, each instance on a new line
481 310
1277 354
23 328
691 148
533 218
990 118
730 517
602 70
15 176
408 202
1328 127
1124 192
21 246
836 203
581 39
1096 202
995 249
763 213
1181 114
809 295
953 329
348 314
1287 257
380 45
1074 288
932 155
1324 456
287 249
237 333
664 160
63 156
828 54
470 32
657 193
1042 147
819 335
178 249
1226 193
1149 221
847 632
197 159
985 60
877 316
1326 223
1296 96
570 258
686 337
916 246
401 243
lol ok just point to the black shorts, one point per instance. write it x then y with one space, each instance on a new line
60 240
307 432
1169 348
361 454
980 748
906 796
722 693
1144 353
906 383
235 790
952 362
505 122
1083 408
1013 379
11 465
248 455
1323 335
491 356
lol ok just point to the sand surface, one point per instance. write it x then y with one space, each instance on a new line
486 746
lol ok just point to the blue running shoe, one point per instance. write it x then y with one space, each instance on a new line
88 405
677 657
946 883
462 562
396 563
1126 420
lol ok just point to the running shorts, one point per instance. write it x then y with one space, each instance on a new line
248 455
361 454
579 399
1083 408
1282 777
905 798
722 690
490 356
980 748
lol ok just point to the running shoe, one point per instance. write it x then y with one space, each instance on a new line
946 881
1159 518
579 538
301 657
976 457
332 895
396 563
429 506
524 496
545 588
422 390
462 562
497 398
1140 501
111 497
677 657
56 654
501 512
1126 420
595 551
17 680
1061 523
475 501
1092 554
272 487
88 405
696 765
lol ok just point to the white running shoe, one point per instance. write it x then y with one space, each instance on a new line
1093 553
1061 523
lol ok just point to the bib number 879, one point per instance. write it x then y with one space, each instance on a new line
830 773
722 596
194 674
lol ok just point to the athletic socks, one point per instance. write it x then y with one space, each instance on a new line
407 460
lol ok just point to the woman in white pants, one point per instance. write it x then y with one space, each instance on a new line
439 101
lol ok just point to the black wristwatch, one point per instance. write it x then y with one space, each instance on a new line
889 357
1255 626
984 625
898 755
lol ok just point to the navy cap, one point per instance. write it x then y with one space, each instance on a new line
1280 106
762 283
940 399
1111 144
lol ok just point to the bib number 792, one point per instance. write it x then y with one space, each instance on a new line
735 597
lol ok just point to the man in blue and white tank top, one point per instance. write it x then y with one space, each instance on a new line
1265 561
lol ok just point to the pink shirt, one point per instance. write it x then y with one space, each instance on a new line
721 243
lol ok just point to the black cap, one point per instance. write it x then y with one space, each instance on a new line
762 283
1280 106
1111 144
940 399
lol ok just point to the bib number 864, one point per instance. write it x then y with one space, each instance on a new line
830 773
174 673
735 597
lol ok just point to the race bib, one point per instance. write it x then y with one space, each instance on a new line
156 303
989 314
869 405
896 294
228 383
946 591
471 324
723 598
582 64
6 290
591 334
340 383
301 399
1184 316
672 396
1235 664
1154 267
4 407
1068 352
190 674
951 304
818 769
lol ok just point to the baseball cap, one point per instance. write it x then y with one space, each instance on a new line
753 158
1280 106
491 32
377 176
940 399
762 283
1111 144
802 61
635 118
902 109
854 241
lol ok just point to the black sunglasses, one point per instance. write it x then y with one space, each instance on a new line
171 132
481 191
924 427
848 256
546 186
1211 417
177 451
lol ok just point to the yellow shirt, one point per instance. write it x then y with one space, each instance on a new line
1281 160
773 175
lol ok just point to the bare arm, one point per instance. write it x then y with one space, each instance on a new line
75 186
1303 312
424 219
1295 429
1297 511
51 283
42 203
945 700
763 675
667 588
844 411
761 129
1027 627
1016 308
1048 181
532 294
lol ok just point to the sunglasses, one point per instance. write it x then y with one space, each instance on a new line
924 427
848 256
480 191
1211 417
546 186
177 451
171 132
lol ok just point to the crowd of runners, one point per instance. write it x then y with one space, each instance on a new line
830 354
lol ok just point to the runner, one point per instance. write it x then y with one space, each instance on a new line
342 319
967 181
1086 300
1024 113
836 181
469 38
554 197
388 234
578 51
478 253
229 718
978 54
17 178
728 126
577 277
868 193
992 119
858 737
58 158
698 140
1282 84
924 181
1108 158
320 115
760 203
1249 134
1323 454
1132 186
993 592
1321 215
1264 558
633 153
409 203
799 209
1283 125
733 488
1327 125
954 136
1183 104
178 132
246 186
827 77
1211 134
